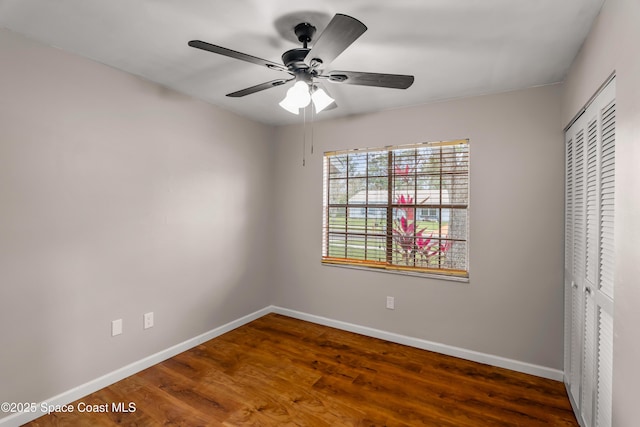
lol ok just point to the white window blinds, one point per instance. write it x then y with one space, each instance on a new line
399 208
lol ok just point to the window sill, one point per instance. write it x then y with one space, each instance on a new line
425 275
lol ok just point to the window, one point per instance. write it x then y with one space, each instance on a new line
398 208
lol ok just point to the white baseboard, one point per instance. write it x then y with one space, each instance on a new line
76 393
501 362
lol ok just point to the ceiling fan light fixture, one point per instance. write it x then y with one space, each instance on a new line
288 105
299 94
321 100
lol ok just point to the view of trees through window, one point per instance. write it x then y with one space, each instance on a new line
402 207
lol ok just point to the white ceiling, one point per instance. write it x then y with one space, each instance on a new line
454 48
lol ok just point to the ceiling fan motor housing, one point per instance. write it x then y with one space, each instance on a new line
294 59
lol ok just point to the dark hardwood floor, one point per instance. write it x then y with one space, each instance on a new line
279 371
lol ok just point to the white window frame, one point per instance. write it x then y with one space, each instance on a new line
400 242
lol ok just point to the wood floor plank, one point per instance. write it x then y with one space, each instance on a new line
279 371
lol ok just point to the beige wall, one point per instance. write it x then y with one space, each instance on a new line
118 197
513 305
613 45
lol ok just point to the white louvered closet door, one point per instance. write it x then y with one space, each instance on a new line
589 259
605 285
574 259
569 285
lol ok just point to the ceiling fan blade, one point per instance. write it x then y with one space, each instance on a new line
395 81
339 34
258 88
198 44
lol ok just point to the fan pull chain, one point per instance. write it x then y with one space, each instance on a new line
313 115
304 135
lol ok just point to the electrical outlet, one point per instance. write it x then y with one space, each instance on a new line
116 327
148 320
391 303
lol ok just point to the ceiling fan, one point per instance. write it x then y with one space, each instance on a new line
306 65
